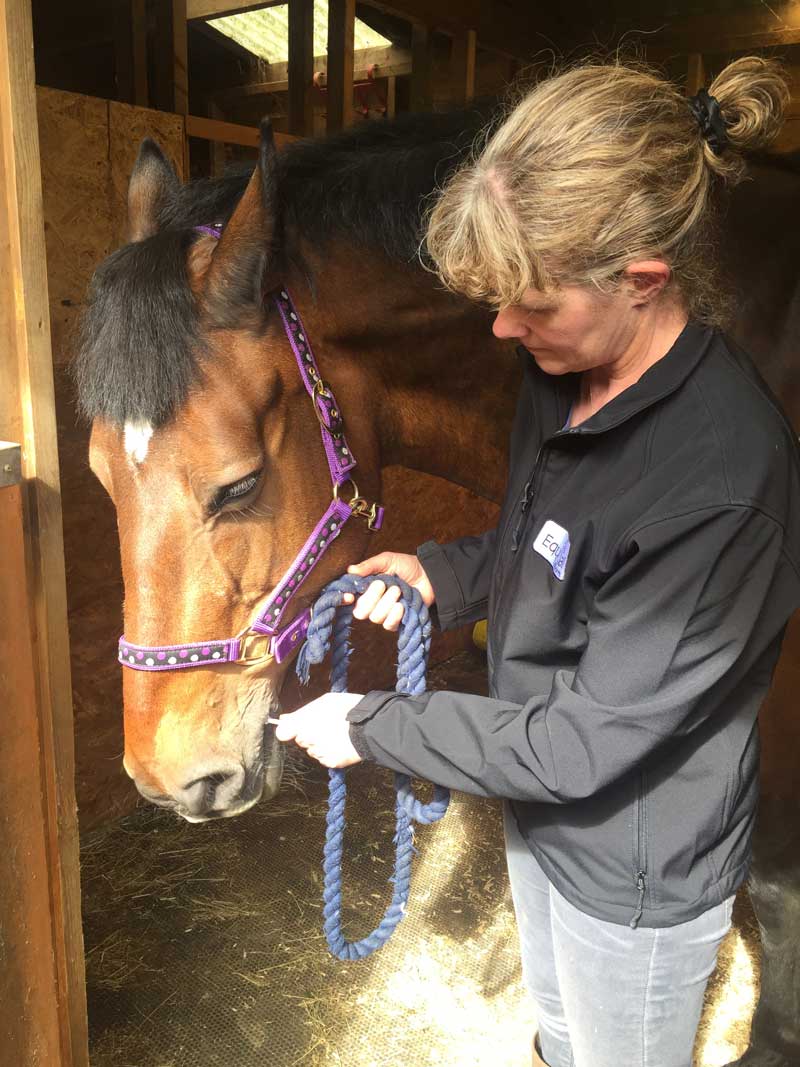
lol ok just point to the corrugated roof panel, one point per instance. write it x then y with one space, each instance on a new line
265 33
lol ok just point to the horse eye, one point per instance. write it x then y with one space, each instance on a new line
235 490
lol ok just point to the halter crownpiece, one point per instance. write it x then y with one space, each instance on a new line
706 110
267 636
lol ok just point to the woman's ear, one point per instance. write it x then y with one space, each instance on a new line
646 279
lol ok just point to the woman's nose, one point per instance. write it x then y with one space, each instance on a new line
508 323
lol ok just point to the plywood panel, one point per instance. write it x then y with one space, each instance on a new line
73 138
94 589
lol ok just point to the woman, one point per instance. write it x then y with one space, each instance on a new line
644 567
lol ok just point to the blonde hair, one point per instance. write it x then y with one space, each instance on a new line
594 168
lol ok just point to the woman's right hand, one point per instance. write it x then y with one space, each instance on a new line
379 604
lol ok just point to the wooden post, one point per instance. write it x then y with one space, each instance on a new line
170 90
180 57
391 96
696 73
130 50
42 994
341 35
216 148
301 67
462 67
421 68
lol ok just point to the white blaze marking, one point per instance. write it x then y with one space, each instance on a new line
137 440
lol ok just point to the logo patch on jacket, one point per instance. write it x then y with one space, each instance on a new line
552 542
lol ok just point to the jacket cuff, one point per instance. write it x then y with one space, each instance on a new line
357 716
359 741
444 610
370 705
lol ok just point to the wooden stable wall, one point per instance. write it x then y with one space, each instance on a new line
88 147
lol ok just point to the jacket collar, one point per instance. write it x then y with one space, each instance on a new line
657 382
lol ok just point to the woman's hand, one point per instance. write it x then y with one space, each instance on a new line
322 729
380 604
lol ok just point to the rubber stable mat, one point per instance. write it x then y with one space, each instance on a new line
204 943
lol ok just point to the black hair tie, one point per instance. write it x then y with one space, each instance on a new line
705 109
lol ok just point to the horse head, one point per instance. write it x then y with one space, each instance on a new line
206 437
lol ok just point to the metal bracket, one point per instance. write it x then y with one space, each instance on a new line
10 464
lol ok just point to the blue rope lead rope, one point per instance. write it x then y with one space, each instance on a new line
330 629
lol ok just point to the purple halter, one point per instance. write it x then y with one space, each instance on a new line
267 637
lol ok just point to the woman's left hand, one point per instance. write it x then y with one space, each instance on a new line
322 729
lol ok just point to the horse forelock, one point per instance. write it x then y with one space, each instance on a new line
139 340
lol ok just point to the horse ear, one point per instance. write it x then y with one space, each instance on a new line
235 279
152 181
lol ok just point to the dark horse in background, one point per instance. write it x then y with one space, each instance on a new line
205 439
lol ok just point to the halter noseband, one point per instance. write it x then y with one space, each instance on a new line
266 637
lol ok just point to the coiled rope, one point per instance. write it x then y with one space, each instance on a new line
330 626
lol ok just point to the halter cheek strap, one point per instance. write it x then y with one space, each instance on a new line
266 637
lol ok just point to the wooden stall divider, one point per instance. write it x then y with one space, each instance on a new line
42 984
341 36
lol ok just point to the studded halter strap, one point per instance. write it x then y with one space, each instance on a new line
267 637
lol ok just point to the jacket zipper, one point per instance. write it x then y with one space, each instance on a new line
641 873
526 500
529 492
641 885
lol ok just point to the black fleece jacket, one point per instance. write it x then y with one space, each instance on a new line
637 589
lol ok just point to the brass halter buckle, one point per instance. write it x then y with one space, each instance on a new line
323 390
254 647
359 505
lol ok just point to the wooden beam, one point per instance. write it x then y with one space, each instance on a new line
130 50
228 132
341 36
301 67
695 73
180 61
514 28
421 68
462 66
761 26
170 89
42 991
382 62
214 9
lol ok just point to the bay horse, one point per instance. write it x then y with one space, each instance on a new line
209 446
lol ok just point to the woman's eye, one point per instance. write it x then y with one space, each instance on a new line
235 491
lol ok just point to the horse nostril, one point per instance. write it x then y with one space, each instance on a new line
210 792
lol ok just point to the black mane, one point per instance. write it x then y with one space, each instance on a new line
371 184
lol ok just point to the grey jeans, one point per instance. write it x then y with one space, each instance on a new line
606 994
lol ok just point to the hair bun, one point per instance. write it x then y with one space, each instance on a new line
753 94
